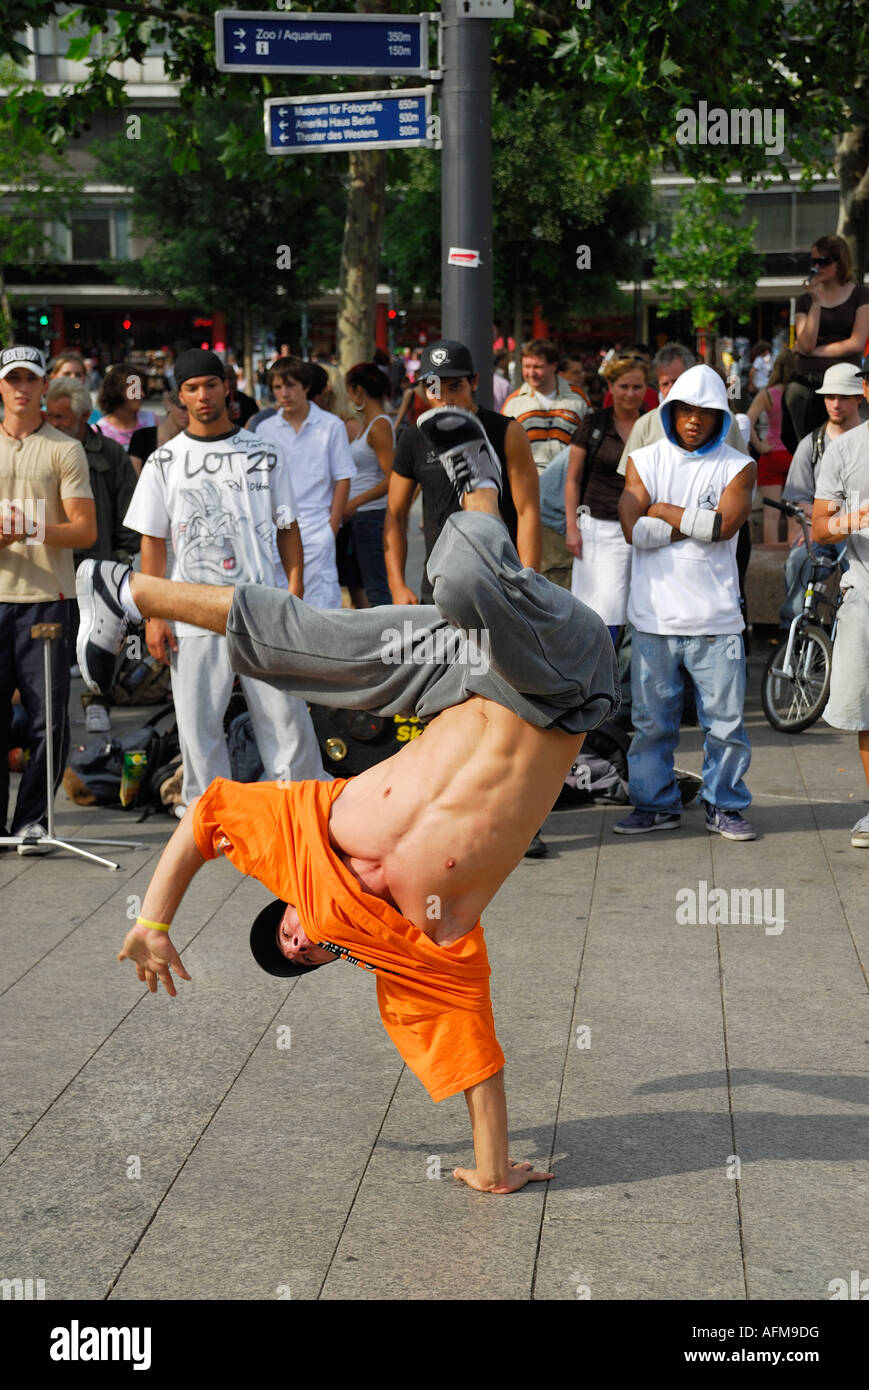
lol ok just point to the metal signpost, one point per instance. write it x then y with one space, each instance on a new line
467 306
271 41
360 121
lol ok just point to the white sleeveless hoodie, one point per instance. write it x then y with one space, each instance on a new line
690 588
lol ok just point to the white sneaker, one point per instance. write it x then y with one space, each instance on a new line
462 446
32 834
104 622
860 833
97 721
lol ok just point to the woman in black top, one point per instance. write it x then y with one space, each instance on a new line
832 325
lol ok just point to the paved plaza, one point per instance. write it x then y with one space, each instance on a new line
699 1089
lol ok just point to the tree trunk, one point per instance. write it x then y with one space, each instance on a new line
6 334
852 170
518 329
249 373
363 234
360 257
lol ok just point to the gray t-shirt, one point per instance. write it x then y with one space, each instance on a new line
802 474
843 477
800 484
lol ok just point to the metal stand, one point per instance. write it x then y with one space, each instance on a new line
47 633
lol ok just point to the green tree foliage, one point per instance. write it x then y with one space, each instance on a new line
709 265
548 199
43 189
216 226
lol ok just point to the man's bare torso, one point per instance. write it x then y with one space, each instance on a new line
437 828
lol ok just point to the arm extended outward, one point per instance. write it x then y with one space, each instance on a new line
151 951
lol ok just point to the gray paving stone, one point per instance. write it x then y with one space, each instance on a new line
309 1172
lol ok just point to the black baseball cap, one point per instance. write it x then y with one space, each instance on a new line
446 358
264 945
198 362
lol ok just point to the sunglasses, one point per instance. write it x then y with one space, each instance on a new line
823 260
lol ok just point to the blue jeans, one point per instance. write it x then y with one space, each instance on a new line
366 529
716 665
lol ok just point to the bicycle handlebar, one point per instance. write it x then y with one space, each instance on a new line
789 508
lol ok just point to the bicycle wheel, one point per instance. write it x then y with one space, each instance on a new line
793 703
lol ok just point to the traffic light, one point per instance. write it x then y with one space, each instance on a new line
392 313
43 320
127 325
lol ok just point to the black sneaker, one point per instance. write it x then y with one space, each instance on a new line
463 447
103 621
537 849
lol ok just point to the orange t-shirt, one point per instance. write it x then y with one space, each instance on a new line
434 1000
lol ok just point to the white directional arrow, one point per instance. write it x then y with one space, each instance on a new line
283 110
240 47
283 138
282 125
239 33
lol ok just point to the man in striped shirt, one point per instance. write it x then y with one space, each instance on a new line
547 407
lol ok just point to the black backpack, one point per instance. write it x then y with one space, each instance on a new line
93 775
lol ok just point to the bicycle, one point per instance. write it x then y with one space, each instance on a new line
796 681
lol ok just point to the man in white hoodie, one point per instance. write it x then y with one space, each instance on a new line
684 500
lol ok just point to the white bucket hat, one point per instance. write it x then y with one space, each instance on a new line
843 379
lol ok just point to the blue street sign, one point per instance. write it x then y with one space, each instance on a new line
349 121
271 41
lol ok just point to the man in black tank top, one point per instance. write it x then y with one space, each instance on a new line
449 377
448 373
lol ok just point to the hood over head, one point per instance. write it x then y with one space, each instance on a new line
698 386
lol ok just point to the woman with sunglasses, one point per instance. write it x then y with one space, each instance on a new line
832 325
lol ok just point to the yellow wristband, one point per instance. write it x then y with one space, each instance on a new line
155 926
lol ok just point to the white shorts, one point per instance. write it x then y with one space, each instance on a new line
602 577
848 705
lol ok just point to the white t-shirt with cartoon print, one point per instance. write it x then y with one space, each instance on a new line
218 500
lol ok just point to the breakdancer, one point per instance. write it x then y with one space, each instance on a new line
390 870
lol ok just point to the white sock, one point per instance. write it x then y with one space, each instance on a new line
126 600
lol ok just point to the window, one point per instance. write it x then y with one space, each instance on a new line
817 215
91 238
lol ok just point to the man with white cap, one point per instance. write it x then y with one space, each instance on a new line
46 511
842 390
841 512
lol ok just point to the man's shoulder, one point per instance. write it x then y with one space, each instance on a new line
523 390
59 447
324 418
101 444
570 393
850 449
247 439
647 429
48 434
409 451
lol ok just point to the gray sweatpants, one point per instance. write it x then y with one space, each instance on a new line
495 630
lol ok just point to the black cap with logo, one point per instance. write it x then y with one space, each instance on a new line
446 358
